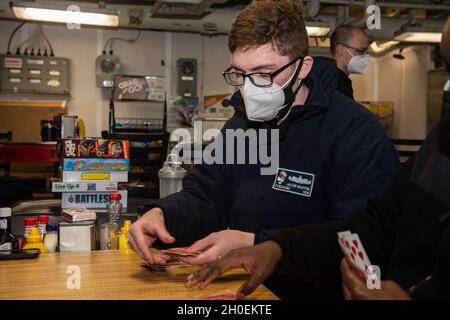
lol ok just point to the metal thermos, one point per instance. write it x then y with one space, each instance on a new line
170 177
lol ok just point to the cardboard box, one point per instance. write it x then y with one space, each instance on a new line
78 214
90 200
86 176
93 148
104 186
95 165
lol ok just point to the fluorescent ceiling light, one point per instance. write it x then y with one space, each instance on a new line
317 28
39 12
418 34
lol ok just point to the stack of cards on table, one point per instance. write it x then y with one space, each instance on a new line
352 247
174 261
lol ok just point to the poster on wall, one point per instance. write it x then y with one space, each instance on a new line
140 88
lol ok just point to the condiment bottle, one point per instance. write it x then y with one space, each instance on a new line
8 240
114 207
51 237
123 242
29 223
41 224
34 241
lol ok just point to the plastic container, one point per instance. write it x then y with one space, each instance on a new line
114 208
109 236
42 225
51 237
170 177
29 223
34 241
123 242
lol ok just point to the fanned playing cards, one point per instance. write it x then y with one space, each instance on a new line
352 247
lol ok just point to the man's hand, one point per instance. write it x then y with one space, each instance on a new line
218 244
259 261
145 231
355 287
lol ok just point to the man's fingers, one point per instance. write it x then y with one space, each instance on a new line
351 279
203 258
213 270
208 271
133 245
346 292
142 244
201 244
256 278
163 234
160 258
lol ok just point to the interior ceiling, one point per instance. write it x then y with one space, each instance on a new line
218 15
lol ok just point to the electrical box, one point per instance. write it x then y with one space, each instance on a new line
107 66
34 74
187 77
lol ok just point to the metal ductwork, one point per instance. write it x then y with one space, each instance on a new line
188 9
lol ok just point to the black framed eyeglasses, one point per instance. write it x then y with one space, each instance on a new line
359 50
259 79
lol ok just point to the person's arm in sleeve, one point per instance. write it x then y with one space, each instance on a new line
363 163
312 252
202 206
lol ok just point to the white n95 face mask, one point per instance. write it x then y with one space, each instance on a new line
264 104
358 64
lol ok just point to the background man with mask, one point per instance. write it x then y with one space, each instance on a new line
330 147
405 232
349 46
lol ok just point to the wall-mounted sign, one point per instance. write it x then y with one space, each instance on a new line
139 88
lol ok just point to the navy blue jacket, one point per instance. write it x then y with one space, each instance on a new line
331 140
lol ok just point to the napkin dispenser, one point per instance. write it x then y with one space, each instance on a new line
77 236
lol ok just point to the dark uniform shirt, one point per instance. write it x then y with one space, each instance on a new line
345 84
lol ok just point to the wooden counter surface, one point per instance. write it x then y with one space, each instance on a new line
108 275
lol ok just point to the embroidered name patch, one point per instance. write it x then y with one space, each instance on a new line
297 182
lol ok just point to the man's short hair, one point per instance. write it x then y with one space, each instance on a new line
279 23
342 34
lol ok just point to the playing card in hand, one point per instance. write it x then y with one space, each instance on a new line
181 252
352 247
174 261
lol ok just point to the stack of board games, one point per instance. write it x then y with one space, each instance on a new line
92 168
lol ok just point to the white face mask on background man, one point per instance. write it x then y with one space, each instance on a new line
358 64
265 103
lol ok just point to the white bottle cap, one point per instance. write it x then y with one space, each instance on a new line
5 212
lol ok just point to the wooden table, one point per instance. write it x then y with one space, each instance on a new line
108 275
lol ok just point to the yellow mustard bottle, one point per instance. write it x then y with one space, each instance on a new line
123 242
81 128
34 241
